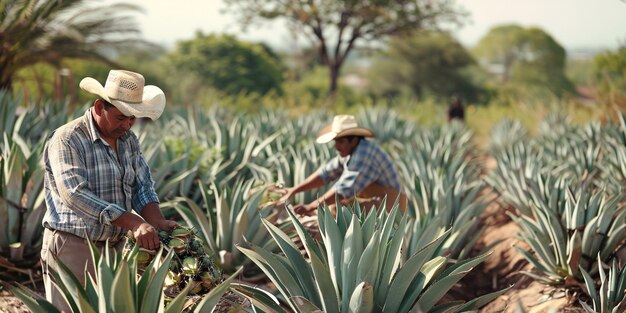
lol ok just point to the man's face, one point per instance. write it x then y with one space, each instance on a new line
344 146
111 122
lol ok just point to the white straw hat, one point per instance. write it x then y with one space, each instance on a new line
343 125
126 91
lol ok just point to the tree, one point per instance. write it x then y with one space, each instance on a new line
611 65
428 62
525 55
609 70
335 26
44 31
228 64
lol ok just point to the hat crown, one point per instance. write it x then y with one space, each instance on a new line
125 86
342 125
343 122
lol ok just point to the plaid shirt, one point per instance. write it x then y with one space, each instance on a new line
87 186
367 164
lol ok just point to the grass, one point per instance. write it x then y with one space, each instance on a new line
481 119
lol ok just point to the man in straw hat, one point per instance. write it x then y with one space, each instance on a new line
96 177
361 170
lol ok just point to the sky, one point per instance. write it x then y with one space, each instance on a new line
575 24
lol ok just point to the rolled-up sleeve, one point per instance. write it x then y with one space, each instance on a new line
346 184
360 171
145 192
69 171
331 170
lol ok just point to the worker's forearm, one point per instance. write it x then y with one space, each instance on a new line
128 221
313 181
152 213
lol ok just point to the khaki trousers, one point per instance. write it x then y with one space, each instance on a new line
372 196
73 252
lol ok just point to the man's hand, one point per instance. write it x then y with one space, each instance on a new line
152 214
146 236
304 209
167 225
287 195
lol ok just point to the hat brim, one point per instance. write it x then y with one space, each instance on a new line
326 134
151 105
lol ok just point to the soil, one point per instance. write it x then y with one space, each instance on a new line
8 302
502 269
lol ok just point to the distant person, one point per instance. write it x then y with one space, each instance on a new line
98 185
362 171
456 111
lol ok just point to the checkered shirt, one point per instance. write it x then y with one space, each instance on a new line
87 186
367 164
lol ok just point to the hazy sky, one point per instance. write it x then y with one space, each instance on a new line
573 23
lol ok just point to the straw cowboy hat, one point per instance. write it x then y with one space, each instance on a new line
343 125
126 91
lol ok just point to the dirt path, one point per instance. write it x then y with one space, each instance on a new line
503 268
10 304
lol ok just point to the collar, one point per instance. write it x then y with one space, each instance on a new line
91 126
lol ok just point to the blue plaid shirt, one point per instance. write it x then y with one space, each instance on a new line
367 164
87 186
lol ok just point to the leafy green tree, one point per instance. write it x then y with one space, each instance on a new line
426 63
334 27
527 56
42 31
228 64
609 70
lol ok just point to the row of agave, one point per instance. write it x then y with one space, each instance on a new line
123 284
567 187
24 130
207 163
360 265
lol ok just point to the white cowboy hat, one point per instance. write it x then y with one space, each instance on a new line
343 125
126 91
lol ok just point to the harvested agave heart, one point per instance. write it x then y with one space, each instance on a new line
190 264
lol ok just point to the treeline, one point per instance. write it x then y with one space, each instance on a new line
350 61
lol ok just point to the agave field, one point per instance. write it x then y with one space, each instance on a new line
560 193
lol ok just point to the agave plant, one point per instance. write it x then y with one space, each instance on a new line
357 267
610 297
389 128
576 154
530 185
117 287
33 121
21 199
441 159
614 169
506 133
294 133
555 125
614 166
192 262
295 164
445 190
179 157
240 147
227 217
592 223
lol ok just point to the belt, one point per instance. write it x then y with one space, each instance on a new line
112 241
